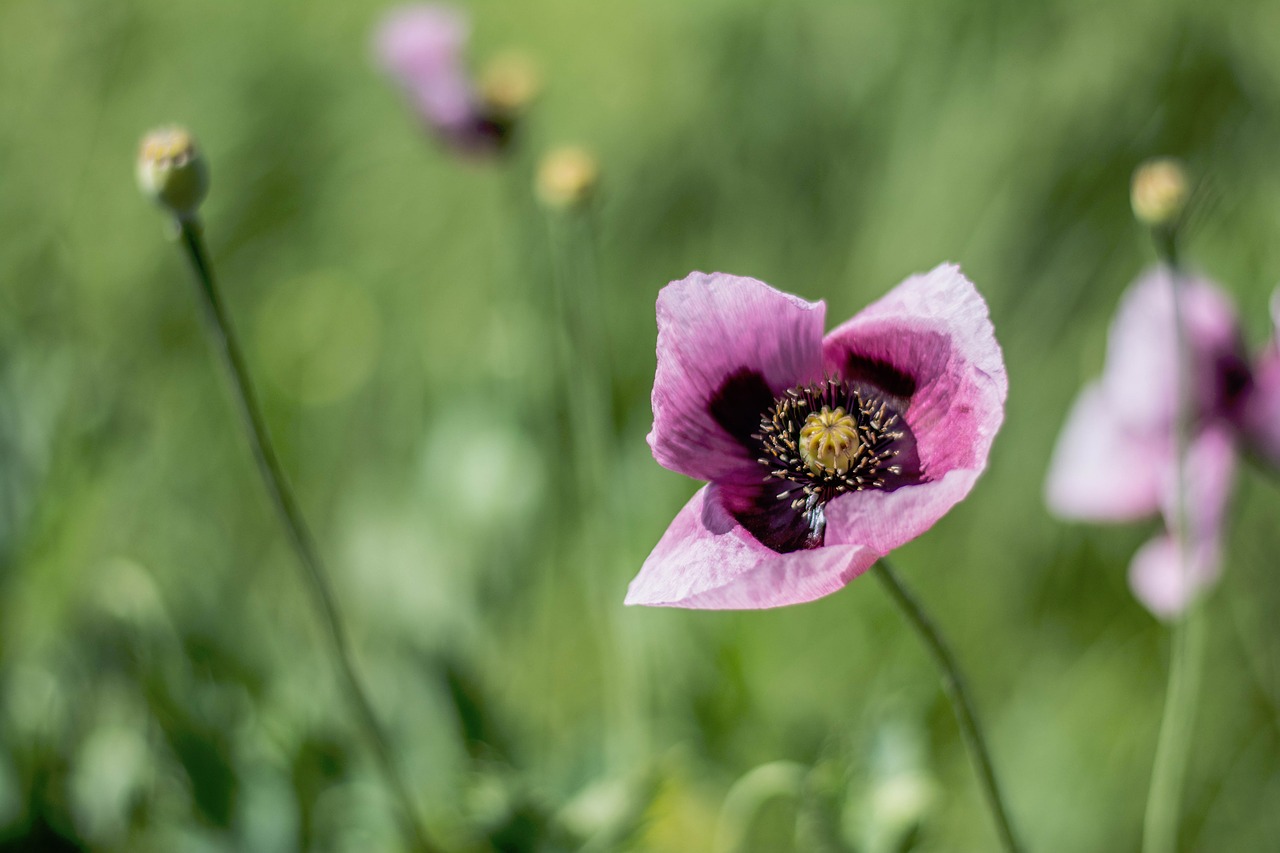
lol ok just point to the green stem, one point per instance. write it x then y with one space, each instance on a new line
219 326
1186 664
586 387
954 684
1173 745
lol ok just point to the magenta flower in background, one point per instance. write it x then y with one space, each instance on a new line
1260 415
421 47
822 454
1116 459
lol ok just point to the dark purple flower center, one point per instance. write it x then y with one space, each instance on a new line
1234 379
808 457
823 440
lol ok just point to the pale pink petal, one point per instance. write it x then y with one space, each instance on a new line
726 347
1164 583
1210 471
1260 417
1102 469
884 520
1140 378
421 47
1161 579
929 345
706 560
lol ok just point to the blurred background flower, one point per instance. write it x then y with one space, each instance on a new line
1116 459
422 47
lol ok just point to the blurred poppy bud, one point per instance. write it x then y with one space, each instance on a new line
171 171
567 176
508 85
1159 192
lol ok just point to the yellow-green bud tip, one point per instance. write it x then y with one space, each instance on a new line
171 171
1159 192
509 83
829 441
567 176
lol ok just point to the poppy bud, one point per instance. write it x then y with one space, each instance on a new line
567 176
509 83
1159 192
171 171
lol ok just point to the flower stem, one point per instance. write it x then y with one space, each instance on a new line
1173 745
219 326
1186 663
954 684
584 362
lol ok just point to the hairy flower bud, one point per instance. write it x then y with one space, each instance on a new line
171 171
1159 192
567 176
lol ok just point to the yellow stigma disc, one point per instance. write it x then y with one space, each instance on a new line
829 441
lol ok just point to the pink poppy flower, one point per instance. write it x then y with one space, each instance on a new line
822 454
1116 459
1260 417
421 47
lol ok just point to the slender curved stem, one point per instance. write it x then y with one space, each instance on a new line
954 684
752 791
277 485
1187 635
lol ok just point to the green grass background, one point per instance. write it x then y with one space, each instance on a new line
162 680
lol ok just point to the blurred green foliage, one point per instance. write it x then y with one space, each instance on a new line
162 683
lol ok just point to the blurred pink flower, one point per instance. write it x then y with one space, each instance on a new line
1260 417
1116 457
421 47
822 454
